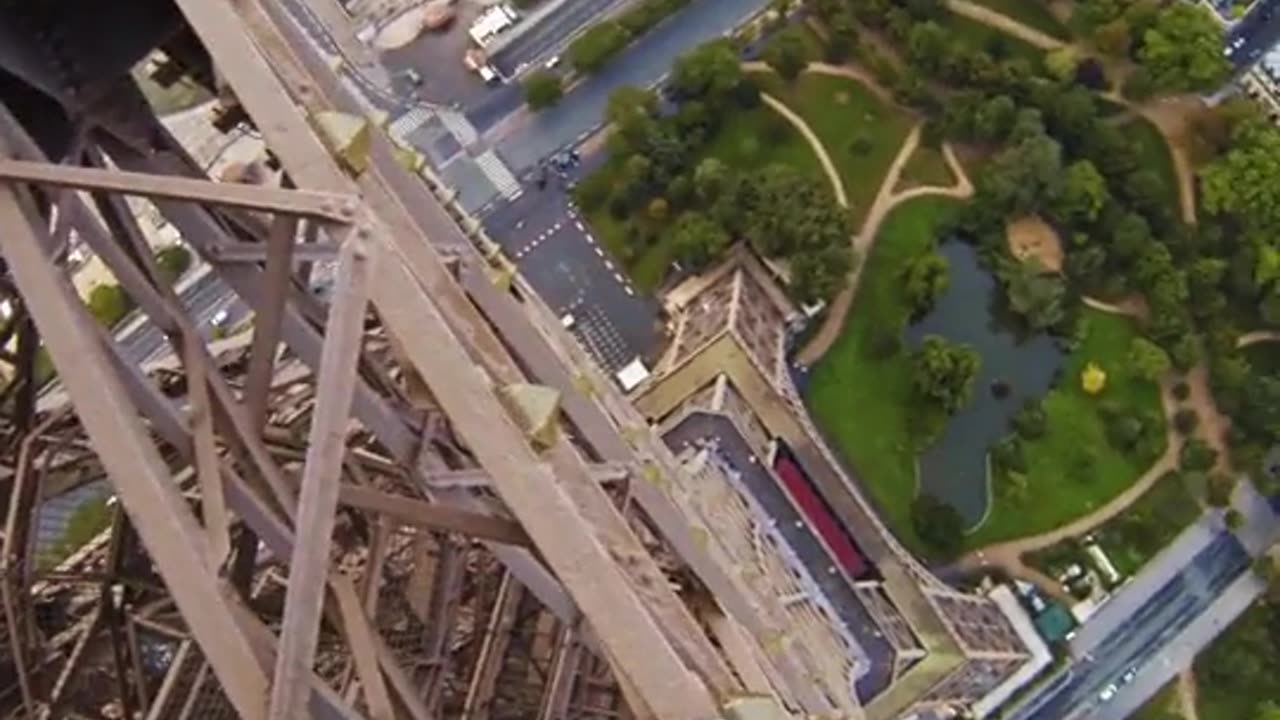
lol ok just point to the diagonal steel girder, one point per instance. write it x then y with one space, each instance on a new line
628 633
161 516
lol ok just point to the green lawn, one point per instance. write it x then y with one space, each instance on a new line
760 137
747 140
926 167
861 134
1154 154
1033 14
1058 490
988 38
860 400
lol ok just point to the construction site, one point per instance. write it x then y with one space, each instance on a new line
398 489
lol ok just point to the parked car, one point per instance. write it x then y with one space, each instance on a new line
1107 693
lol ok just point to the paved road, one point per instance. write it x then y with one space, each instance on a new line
1261 30
373 91
536 136
702 428
1074 694
205 298
551 34
1182 651
573 273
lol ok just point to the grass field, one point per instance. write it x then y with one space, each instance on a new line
926 166
1033 14
860 400
861 134
1062 484
998 43
760 137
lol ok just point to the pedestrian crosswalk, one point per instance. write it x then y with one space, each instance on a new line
459 125
600 338
498 173
401 127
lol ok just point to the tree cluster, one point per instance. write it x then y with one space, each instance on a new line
938 525
1178 46
663 188
542 89
594 48
942 373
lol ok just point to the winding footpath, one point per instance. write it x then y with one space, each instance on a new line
829 167
1169 117
886 200
1005 24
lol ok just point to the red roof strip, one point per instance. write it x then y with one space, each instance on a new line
835 536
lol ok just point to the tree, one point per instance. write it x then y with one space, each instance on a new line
1148 360
1196 454
710 71
938 524
927 44
173 261
658 209
1084 193
1031 421
1038 296
1113 38
593 48
631 110
697 239
924 280
1061 63
1183 50
788 53
842 38
943 373
819 273
1131 237
1235 521
1220 487
108 304
1245 182
1140 85
709 178
1025 175
542 89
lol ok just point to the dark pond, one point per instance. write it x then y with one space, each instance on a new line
954 468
